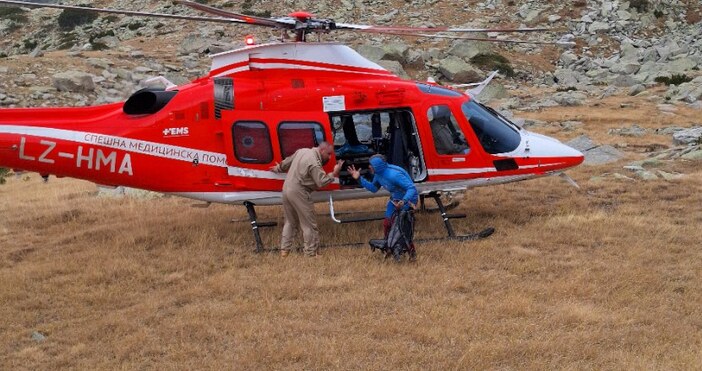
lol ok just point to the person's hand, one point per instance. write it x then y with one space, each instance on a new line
355 173
399 204
274 168
337 168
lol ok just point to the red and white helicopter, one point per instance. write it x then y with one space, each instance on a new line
215 138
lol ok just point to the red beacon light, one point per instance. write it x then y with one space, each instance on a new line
249 40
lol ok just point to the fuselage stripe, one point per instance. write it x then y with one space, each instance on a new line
121 143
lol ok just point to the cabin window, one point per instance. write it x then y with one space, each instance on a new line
296 135
448 137
495 133
252 142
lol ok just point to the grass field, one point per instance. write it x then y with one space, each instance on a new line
602 277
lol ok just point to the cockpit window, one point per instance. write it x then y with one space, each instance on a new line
448 137
496 133
438 90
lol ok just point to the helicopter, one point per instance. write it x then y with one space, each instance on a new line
215 138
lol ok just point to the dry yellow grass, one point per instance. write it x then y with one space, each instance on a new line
606 277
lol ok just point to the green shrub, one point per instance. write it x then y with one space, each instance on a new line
16 15
133 26
3 173
67 41
570 88
676 79
70 18
30 44
640 5
493 61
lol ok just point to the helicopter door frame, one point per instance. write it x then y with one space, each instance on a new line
381 145
442 162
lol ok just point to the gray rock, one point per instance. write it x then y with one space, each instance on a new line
456 70
633 131
194 44
571 125
468 49
74 81
626 68
634 168
598 27
636 89
681 65
669 130
582 143
602 155
688 136
395 51
570 98
624 81
36 53
395 67
568 58
38 336
669 176
694 155
100 62
646 175
568 78
689 92
493 91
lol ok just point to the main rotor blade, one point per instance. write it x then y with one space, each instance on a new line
394 30
454 37
259 21
122 12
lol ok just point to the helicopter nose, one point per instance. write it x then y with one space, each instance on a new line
553 151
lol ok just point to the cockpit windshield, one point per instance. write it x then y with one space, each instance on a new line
495 133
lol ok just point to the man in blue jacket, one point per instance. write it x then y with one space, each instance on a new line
403 193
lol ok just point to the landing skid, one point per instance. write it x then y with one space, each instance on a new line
451 234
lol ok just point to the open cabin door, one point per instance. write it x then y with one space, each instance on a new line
358 135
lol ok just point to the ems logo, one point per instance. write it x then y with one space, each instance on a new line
175 132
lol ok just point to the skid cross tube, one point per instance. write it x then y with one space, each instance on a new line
447 221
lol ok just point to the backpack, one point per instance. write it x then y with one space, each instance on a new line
400 236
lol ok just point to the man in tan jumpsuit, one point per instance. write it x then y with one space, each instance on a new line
305 174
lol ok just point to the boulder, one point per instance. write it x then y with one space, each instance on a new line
395 51
395 67
636 89
468 49
602 155
457 70
632 131
688 136
582 143
194 44
598 27
570 98
373 53
73 81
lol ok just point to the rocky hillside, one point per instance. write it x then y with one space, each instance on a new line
54 57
